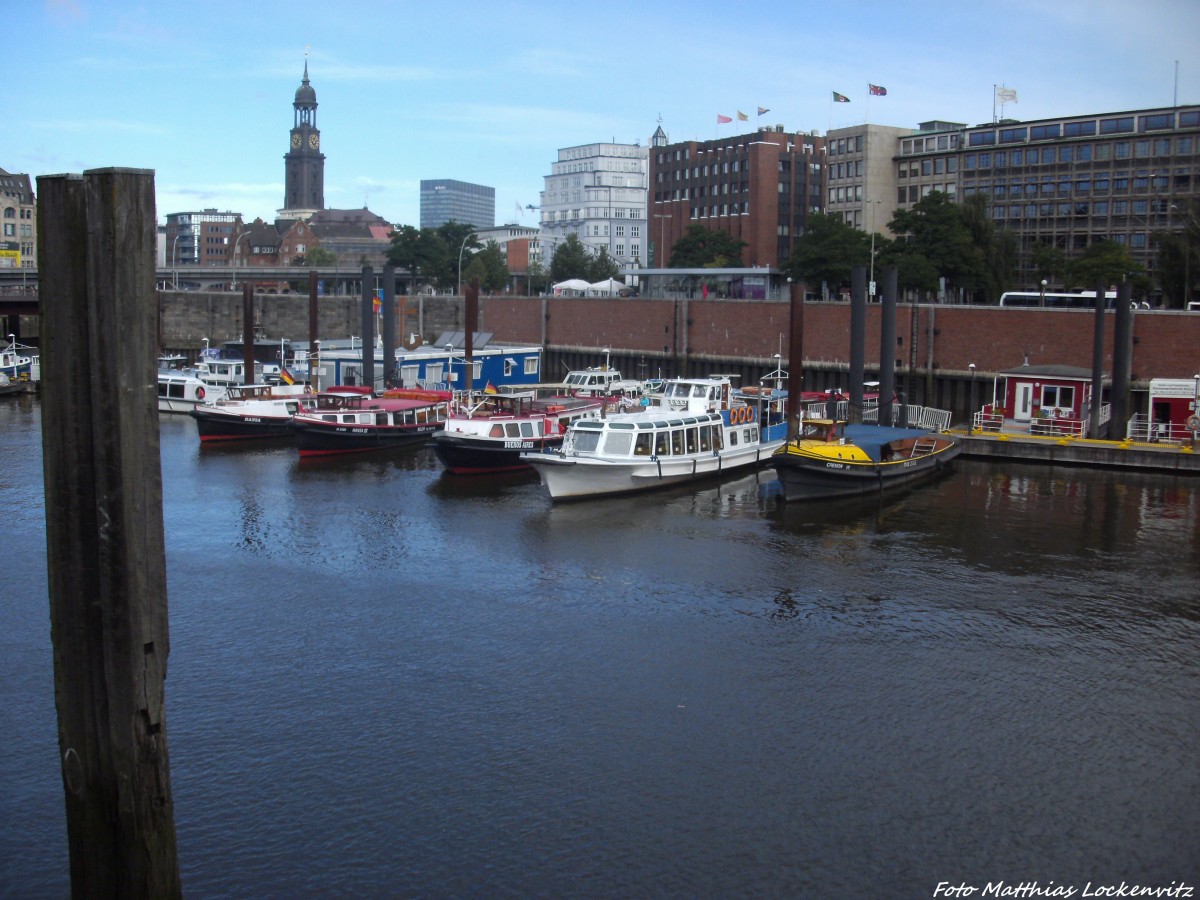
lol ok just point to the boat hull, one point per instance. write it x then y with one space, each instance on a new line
331 439
471 455
214 426
570 478
804 477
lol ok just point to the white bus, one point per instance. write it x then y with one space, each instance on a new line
1081 300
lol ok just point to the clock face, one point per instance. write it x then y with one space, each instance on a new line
295 141
314 141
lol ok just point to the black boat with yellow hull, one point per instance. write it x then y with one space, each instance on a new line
835 459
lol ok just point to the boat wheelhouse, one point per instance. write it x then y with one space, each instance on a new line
695 428
181 391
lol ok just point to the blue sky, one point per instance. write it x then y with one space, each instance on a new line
488 92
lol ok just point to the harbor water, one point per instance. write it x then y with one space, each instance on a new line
389 681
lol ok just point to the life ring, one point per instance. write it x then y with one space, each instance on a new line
200 393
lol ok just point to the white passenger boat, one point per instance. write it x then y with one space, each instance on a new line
696 428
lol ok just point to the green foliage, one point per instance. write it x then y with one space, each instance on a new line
827 251
570 260
1049 262
320 256
601 267
1179 257
489 266
1104 263
940 231
420 252
701 247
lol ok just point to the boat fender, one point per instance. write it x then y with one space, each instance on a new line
200 393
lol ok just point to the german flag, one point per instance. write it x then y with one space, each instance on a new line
490 388
285 376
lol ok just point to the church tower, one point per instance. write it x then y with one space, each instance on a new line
304 163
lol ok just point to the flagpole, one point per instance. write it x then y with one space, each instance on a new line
993 104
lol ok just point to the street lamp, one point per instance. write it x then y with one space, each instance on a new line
871 280
233 257
662 227
175 258
1043 298
460 256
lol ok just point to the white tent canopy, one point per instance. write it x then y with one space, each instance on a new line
571 285
609 287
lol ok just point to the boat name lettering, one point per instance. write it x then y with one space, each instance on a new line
833 465
518 445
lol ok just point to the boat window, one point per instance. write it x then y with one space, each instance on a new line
705 438
176 390
691 440
512 429
381 418
718 436
733 439
618 443
642 447
497 430
662 445
586 441
699 391
526 429
677 442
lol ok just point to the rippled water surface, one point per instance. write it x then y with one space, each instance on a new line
388 681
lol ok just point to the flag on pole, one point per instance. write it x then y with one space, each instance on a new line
723 120
285 376
877 91
840 98
762 110
489 388
742 117
1006 95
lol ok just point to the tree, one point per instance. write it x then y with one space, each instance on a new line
601 267
701 247
489 266
827 251
321 256
537 277
1049 262
1107 263
937 229
1179 257
422 253
570 260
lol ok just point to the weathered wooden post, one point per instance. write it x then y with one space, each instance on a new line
314 337
249 354
887 345
858 342
1097 365
368 327
104 529
795 382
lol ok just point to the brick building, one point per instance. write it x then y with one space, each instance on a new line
758 187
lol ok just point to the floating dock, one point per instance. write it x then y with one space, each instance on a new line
1067 450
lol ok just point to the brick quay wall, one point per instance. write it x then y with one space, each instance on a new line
935 344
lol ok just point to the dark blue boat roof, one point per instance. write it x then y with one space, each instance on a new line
871 438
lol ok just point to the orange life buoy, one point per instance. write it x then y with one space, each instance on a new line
200 393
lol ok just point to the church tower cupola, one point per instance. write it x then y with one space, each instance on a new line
304 163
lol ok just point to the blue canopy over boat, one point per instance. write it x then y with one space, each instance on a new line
871 438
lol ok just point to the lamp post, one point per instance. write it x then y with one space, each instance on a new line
175 258
460 256
871 279
1043 295
662 228
233 257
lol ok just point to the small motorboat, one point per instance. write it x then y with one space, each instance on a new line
835 459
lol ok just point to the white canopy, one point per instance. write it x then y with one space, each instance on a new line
608 287
571 284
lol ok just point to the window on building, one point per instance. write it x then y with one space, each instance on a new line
1045 132
1158 122
1116 126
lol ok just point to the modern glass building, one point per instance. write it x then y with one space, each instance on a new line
443 199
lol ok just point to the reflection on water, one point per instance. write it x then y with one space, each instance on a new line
388 680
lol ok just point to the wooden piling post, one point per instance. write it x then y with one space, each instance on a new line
105 549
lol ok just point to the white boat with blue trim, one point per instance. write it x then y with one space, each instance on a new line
695 428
